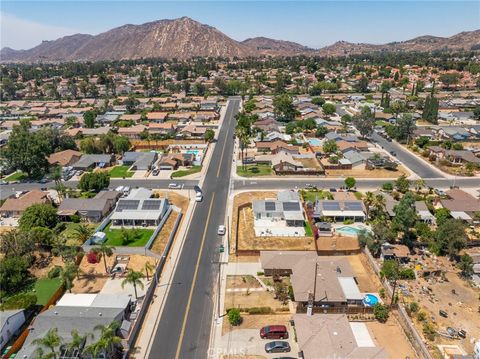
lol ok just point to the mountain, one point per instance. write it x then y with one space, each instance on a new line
184 38
266 46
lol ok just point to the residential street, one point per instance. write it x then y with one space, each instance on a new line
184 327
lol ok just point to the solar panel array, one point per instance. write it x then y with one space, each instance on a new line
127 204
270 206
291 206
353 206
331 206
151 204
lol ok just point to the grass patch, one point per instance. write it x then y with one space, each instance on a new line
190 171
358 195
120 172
68 236
312 196
254 170
308 229
45 288
17 176
137 237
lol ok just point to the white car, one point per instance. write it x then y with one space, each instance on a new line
221 230
175 186
199 197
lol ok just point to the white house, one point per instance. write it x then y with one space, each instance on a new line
11 321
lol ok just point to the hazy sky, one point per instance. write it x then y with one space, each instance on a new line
25 24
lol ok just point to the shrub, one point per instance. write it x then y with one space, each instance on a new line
413 307
234 317
421 316
348 221
381 312
429 331
54 272
75 218
381 292
260 273
387 186
260 310
20 301
290 293
407 273
93 257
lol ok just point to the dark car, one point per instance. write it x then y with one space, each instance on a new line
443 313
197 189
274 332
277 347
393 153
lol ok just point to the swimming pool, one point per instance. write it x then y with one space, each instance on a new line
193 152
370 300
349 230
314 142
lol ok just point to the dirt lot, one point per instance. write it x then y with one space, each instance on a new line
366 277
175 198
44 262
252 299
242 282
337 243
257 321
93 277
160 242
462 307
246 234
363 173
382 334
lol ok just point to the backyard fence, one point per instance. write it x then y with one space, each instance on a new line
404 320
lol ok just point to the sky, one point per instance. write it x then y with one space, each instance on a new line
25 24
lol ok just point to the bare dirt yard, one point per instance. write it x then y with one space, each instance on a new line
242 282
338 244
363 173
244 234
368 281
44 262
92 277
390 336
160 242
257 321
243 300
453 295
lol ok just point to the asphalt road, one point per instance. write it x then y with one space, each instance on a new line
266 184
409 159
184 328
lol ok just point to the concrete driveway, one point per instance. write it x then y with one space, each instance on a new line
248 342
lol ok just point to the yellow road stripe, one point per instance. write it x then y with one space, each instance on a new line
223 151
182 332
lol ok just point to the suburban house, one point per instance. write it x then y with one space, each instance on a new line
89 209
322 281
139 209
14 207
340 210
83 313
398 252
280 217
333 336
192 131
64 158
93 161
276 147
454 157
132 132
461 204
10 323
142 161
423 212
172 161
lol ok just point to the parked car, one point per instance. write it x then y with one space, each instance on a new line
462 333
443 313
277 347
175 186
221 230
197 189
155 172
274 332
393 153
199 197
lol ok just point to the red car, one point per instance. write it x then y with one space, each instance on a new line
274 332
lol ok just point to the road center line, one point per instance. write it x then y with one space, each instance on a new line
189 302
223 151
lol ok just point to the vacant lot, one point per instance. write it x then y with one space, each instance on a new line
121 172
257 321
363 173
160 242
338 244
368 281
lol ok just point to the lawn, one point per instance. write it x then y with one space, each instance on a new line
190 171
120 172
137 237
45 288
312 196
308 229
16 176
254 170
69 236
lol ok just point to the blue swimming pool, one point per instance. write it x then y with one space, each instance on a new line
349 230
314 142
370 300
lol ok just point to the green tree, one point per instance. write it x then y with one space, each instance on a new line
131 104
449 79
364 121
209 135
51 340
450 238
108 343
476 113
328 109
106 251
404 127
82 232
89 118
42 236
134 278
68 274
350 182
77 342
430 109
16 243
362 85
402 184
405 214
284 108
234 317
13 273
321 131
121 144
94 181
330 146
319 101
381 312
148 267
38 215
466 265
391 271
442 215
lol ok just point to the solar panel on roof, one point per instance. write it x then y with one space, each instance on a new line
331 206
353 206
151 204
127 204
270 206
291 206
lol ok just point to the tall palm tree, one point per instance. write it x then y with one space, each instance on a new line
68 274
108 342
149 267
78 341
106 251
368 200
134 278
51 341
83 232
40 354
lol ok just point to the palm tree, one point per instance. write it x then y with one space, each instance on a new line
108 342
369 199
78 341
51 341
68 274
83 232
134 278
40 354
419 184
149 267
106 250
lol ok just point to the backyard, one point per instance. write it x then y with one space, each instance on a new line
135 237
45 288
120 172
187 172
254 170
16 176
69 235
